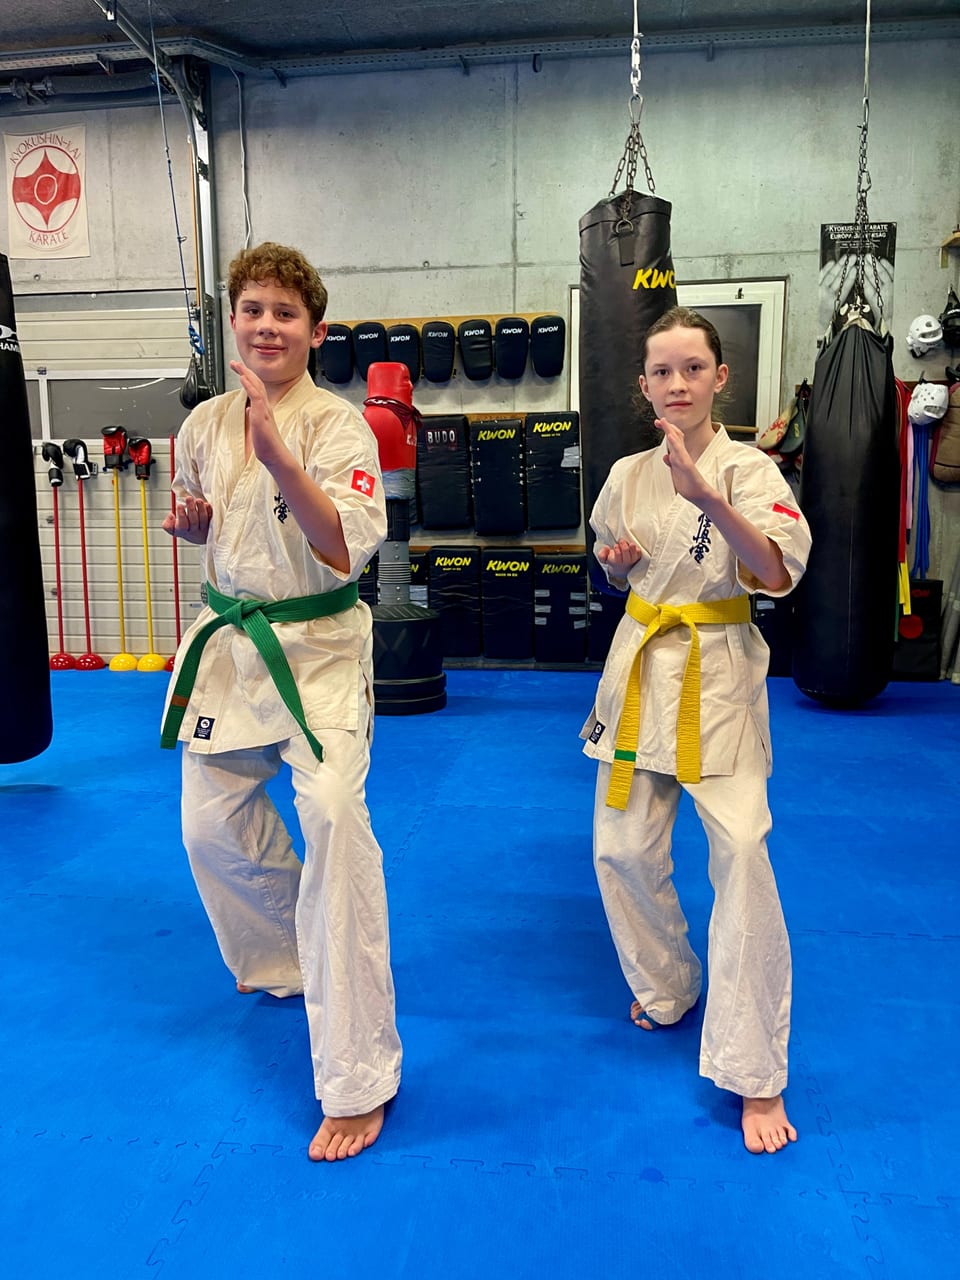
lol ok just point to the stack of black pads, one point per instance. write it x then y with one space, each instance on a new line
504 348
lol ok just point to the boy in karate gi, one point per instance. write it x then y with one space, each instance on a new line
280 482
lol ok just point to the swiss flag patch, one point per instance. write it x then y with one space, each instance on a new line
363 483
777 506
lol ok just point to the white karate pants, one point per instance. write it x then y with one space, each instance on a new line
320 928
746 1022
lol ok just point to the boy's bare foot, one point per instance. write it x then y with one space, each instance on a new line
640 1018
765 1125
245 991
342 1136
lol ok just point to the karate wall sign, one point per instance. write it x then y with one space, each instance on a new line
45 175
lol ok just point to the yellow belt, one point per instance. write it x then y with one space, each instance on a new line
657 619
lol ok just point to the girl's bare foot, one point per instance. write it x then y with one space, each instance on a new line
245 991
765 1125
640 1018
342 1136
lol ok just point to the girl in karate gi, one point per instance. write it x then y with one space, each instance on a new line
692 528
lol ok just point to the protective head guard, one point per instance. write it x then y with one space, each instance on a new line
923 335
928 404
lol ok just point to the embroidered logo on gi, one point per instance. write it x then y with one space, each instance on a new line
280 508
204 728
785 511
363 483
598 732
701 542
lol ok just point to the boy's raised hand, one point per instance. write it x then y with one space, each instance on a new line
265 439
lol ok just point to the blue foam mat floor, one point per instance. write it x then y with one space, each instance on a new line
155 1123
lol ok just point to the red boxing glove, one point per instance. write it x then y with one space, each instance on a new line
114 445
141 455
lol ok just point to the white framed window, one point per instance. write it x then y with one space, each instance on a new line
749 316
78 402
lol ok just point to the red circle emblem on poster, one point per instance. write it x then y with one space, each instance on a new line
46 188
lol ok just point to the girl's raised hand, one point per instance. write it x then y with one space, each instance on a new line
621 557
687 480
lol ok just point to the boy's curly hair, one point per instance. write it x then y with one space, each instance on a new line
288 267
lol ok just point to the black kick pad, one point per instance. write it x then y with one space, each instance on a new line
476 349
506 589
560 607
552 445
443 472
496 463
548 344
336 354
510 344
369 345
403 346
605 613
438 340
455 595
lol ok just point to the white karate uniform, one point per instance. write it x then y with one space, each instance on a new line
320 929
747 1015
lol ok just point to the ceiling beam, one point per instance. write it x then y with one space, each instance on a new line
463 57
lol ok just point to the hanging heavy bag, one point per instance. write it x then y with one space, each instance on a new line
846 604
26 717
627 282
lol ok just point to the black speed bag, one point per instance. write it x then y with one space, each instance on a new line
369 345
336 354
476 348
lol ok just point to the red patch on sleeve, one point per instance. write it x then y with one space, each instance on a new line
786 511
363 483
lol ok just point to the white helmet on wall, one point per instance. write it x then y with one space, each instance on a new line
923 335
928 404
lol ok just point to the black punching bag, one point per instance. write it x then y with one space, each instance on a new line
845 610
627 282
26 720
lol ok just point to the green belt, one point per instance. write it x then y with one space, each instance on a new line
255 618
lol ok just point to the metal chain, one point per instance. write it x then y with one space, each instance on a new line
634 148
861 244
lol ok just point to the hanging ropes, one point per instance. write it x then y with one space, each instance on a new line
634 148
196 342
862 243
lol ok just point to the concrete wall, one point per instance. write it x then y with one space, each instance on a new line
431 193
436 192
